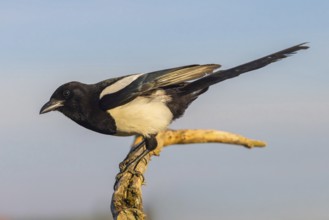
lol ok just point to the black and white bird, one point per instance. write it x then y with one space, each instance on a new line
146 103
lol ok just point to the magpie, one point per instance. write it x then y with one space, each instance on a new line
145 103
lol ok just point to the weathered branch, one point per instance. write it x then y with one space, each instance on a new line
127 197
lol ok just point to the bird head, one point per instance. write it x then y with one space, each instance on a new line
67 99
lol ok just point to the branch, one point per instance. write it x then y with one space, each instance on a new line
127 197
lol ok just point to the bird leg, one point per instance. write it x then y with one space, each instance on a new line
151 142
133 150
129 164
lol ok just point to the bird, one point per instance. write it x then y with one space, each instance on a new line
145 103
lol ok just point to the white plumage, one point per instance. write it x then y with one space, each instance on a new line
143 115
120 84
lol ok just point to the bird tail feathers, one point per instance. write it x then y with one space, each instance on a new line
222 75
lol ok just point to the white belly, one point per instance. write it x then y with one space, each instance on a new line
143 115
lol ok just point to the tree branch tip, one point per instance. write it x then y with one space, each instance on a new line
255 143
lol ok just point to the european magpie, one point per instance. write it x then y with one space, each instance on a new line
145 103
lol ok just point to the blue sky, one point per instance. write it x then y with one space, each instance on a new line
49 166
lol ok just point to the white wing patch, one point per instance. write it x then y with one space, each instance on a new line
120 84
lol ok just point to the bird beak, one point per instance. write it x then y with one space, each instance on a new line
52 105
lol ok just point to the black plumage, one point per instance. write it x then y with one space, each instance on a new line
145 104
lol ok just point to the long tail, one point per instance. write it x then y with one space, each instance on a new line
222 75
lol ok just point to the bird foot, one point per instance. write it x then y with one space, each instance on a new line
129 165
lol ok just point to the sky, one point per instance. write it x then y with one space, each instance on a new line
51 167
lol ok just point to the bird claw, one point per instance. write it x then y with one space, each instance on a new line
130 164
123 165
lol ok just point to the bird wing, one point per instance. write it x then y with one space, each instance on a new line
128 88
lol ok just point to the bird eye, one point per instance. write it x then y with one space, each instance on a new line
66 93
